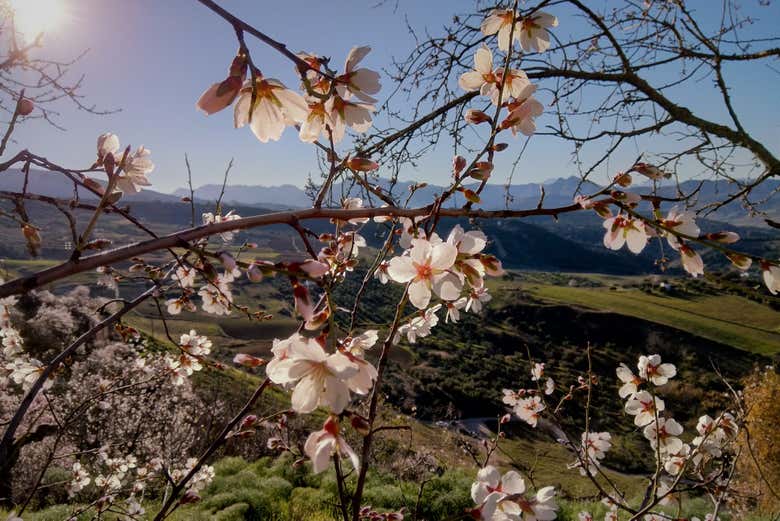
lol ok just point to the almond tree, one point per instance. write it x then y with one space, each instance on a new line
523 71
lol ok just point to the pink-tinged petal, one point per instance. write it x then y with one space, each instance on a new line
355 56
525 40
636 240
344 448
341 366
483 60
421 251
366 81
305 396
322 454
279 371
241 110
307 349
443 256
489 475
212 101
503 37
471 81
512 483
267 121
447 286
492 23
358 116
545 19
401 269
542 41
336 394
293 104
419 294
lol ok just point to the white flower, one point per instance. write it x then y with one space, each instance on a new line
426 268
510 397
420 326
549 386
651 368
676 461
528 409
323 444
629 379
533 31
500 21
453 310
79 480
663 433
484 79
624 230
135 168
195 344
360 82
319 378
107 143
644 407
344 113
522 114
691 260
477 297
503 489
275 108
680 221
381 272
537 371
771 275
585 516
355 349
210 218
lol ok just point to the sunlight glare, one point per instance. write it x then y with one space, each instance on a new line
33 17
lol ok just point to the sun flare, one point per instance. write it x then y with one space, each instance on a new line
33 17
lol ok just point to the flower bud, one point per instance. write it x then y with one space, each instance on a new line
360 424
475 117
458 164
623 179
189 497
723 237
254 273
107 143
481 170
25 107
362 164
500 147
248 360
740 261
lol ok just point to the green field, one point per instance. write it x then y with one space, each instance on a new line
727 319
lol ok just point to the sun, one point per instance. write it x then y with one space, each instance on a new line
33 17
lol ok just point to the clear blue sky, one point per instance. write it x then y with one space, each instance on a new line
153 58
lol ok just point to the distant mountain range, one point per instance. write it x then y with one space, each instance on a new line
569 243
558 192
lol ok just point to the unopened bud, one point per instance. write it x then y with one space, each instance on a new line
362 164
25 107
475 117
458 164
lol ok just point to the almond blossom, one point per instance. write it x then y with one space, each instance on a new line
135 168
501 490
644 407
624 230
107 143
210 218
477 297
528 409
629 379
771 274
651 368
453 310
426 268
355 349
317 378
675 462
522 114
680 221
359 82
691 260
488 81
420 326
344 113
275 108
663 433
533 34
500 21
221 95
322 445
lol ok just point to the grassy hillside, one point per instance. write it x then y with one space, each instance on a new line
728 319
